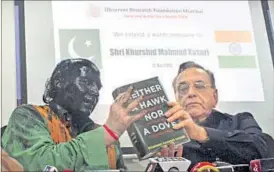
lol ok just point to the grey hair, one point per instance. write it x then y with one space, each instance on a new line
191 64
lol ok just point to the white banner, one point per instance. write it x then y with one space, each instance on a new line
135 40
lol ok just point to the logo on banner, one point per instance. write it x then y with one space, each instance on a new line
80 43
93 11
235 49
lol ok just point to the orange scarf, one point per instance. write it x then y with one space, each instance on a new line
60 133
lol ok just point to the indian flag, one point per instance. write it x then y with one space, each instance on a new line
235 49
239 76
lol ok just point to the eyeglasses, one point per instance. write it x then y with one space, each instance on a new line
198 85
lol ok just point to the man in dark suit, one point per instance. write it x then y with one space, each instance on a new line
236 139
61 133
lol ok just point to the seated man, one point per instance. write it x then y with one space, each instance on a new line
60 133
236 139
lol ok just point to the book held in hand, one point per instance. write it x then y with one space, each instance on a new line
149 134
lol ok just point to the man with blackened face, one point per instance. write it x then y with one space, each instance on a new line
74 86
80 93
60 133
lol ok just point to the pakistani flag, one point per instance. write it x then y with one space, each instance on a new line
80 43
233 49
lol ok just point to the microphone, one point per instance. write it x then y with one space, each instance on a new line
49 168
204 167
261 165
67 170
167 164
219 166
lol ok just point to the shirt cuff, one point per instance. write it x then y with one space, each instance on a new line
93 148
215 136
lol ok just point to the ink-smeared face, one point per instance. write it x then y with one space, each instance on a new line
86 92
79 93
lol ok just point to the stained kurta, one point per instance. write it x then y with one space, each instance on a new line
28 138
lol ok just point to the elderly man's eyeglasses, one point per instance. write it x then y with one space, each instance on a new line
183 88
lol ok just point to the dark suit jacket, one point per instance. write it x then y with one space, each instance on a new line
236 139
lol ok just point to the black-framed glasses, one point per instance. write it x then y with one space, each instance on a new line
183 88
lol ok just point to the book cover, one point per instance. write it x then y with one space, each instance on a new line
151 132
